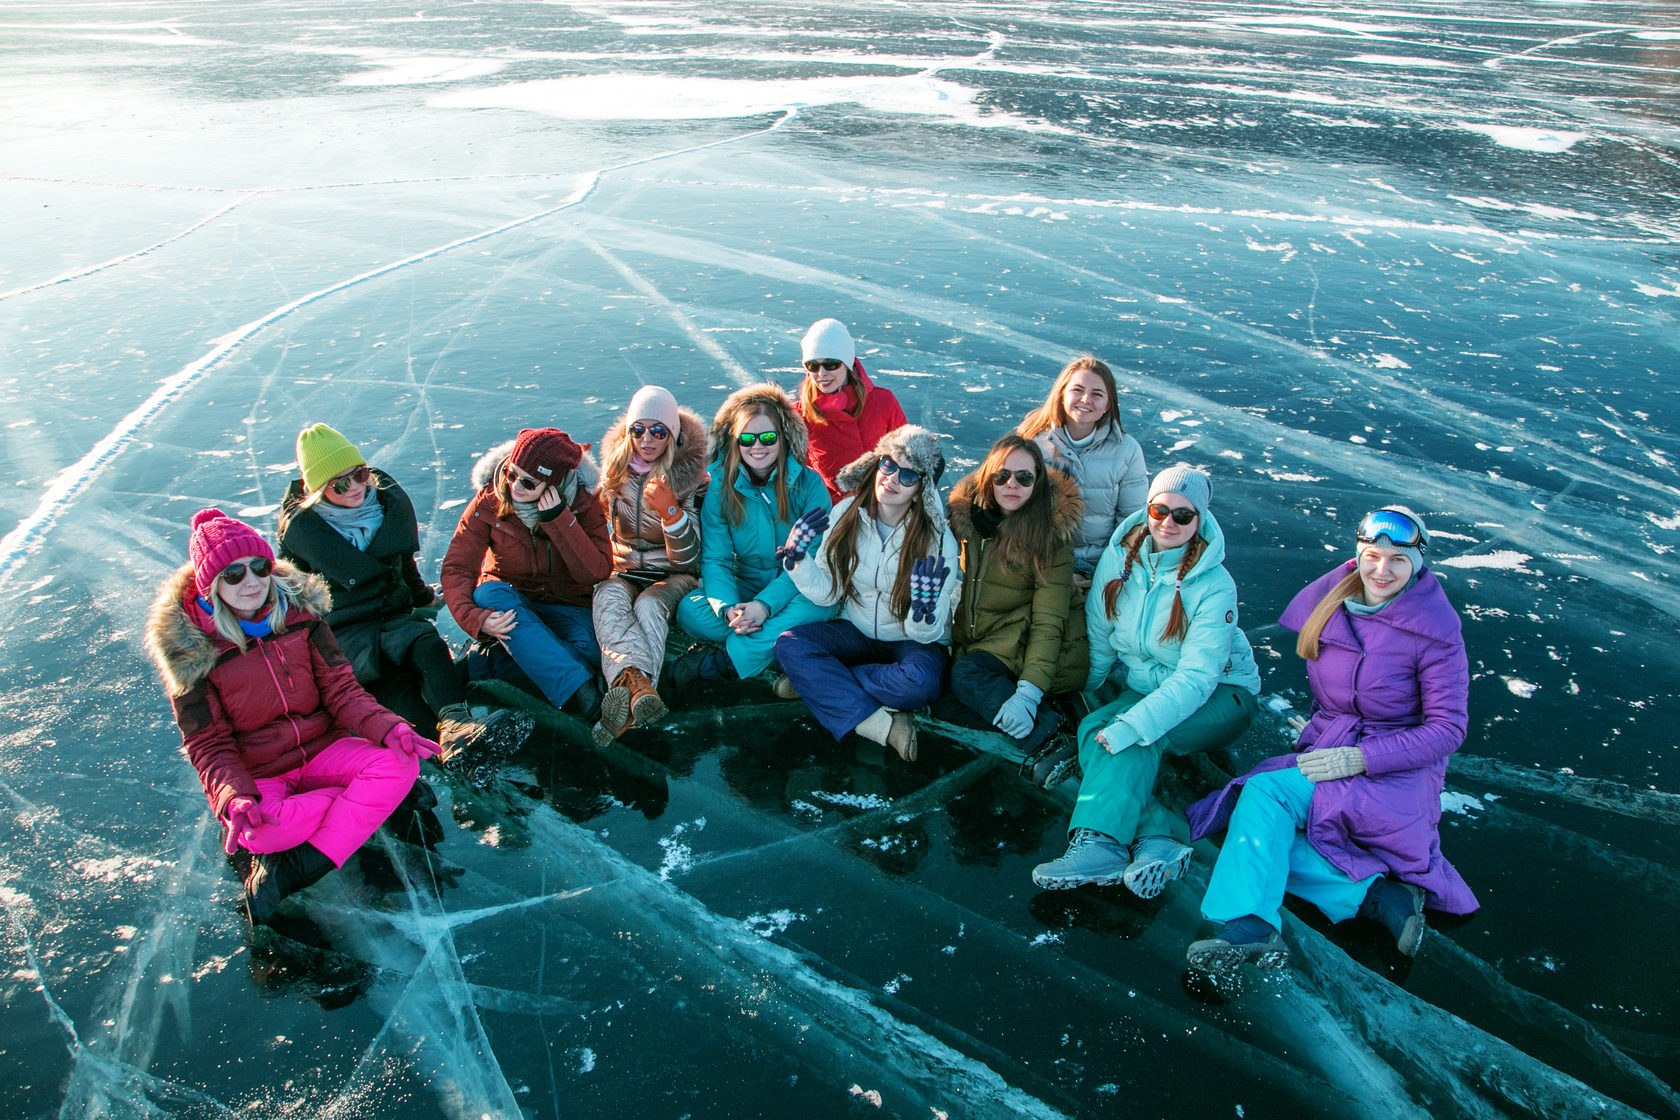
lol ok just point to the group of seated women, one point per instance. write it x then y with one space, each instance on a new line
812 537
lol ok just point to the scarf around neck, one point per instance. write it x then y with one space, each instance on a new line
357 525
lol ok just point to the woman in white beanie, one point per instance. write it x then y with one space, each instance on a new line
846 412
653 478
1162 614
887 562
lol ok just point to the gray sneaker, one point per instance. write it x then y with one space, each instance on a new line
1156 861
1092 859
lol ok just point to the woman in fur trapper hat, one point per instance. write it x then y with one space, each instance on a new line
298 762
760 489
887 562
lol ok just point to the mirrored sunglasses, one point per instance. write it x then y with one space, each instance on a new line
234 574
357 475
1402 531
829 364
1025 479
657 431
905 476
1183 515
766 439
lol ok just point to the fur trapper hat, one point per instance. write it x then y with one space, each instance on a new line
908 445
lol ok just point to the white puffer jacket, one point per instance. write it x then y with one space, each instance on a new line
1113 483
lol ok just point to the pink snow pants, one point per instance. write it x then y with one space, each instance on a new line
335 801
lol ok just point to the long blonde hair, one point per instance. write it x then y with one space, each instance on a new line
1177 624
733 507
1052 414
841 545
616 449
1307 642
284 586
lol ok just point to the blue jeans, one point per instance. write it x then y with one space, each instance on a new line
844 676
1266 853
554 643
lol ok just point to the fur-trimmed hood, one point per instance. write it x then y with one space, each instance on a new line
767 397
485 467
912 446
185 652
1066 507
688 467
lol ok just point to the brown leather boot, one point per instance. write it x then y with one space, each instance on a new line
615 710
645 705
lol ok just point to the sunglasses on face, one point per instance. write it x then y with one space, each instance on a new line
343 482
1183 515
234 574
657 431
1024 479
905 476
829 364
1402 531
764 439
523 480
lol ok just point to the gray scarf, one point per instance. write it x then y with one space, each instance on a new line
357 525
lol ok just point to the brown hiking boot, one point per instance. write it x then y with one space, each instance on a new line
645 705
615 710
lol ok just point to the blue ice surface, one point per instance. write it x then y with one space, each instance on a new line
1341 255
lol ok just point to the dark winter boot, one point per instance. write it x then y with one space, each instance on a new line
709 664
1247 940
1399 907
471 742
585 702
274 876
1053 763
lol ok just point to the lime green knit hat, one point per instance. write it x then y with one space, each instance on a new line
323 454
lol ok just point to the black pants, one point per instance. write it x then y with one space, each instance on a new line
981 683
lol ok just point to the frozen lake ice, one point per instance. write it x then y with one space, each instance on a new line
1341 254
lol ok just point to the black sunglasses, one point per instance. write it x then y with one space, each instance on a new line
349 478
1022 478
657 431
905 476
526 481
1183 515
830 364
747 439
234 574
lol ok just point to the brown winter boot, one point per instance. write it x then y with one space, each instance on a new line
615 710
645 705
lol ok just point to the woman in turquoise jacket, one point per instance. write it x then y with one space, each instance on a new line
760 486
1162 616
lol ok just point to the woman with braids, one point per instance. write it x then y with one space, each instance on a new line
1014 523
1163 615
1352 822
886 561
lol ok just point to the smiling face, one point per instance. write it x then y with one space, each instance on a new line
1383 572
892 497
758 458
1166 532
1011 495
355 482
830 380
524 487
247 597
1085 401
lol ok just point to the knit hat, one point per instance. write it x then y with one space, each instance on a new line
1182 478
545 453
652 402
323 455
1415 555
218 540
909 446
829 338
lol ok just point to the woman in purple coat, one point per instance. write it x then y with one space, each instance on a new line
1350 823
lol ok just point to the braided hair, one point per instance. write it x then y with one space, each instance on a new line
1177 624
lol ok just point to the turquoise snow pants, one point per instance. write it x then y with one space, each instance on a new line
1115 793
749 653
1266 853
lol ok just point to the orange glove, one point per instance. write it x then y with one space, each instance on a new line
663 501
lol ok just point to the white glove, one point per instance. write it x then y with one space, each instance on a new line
1332 763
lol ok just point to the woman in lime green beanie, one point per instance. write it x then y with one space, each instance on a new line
355 526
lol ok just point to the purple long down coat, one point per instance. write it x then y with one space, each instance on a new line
1395 684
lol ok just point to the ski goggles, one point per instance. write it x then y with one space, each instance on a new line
1182 515
657 431
829 364
353 477
1023 479
234 574
1402 530
905 476
763 439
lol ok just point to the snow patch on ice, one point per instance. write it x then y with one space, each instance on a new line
586 1060
1388 361
1520 687
1404 60
1290 476
1669 523
423 70
679 856
1549 141
1461 803
854 800
868 1096
256 511
1048 937
768 925
892 986
1502 559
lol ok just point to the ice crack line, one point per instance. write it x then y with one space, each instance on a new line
75 479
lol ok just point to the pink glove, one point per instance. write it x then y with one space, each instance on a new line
404 738
243 815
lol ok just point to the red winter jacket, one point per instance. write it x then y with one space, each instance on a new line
838 438
264 710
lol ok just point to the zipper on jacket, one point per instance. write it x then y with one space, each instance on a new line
285 704
979 585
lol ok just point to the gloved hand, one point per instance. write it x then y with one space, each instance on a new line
806 529
927 578
404 738
550 504
1118 736
1331 763
1015 718
663 501
243 815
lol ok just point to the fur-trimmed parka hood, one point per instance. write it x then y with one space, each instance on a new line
485 468
687 468
912 446
766 397
1066 507
185 652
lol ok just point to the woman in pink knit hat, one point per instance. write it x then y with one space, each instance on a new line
298 762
